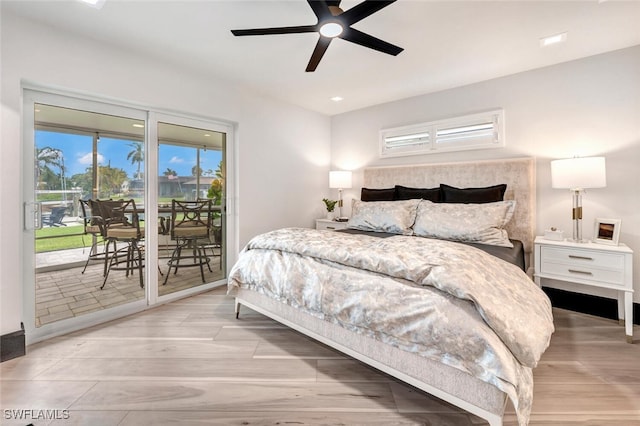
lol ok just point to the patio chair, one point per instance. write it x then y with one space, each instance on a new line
94 227
55 217
190 224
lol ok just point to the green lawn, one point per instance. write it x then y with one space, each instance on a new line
61 238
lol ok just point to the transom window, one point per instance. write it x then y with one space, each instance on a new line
475 131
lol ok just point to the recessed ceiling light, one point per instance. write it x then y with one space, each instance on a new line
138 125
336 98
554 39
206 135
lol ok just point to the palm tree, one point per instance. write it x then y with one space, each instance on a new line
136 156
45 158
111 180
170 172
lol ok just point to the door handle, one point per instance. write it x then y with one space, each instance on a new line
32 215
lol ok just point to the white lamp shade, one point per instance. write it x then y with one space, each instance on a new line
579 173
340 179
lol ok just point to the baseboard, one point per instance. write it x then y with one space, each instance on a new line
588 304
12 345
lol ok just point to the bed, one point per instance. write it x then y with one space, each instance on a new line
456 321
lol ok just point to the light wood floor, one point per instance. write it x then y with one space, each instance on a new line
191 362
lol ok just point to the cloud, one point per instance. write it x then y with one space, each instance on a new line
175 160
87 159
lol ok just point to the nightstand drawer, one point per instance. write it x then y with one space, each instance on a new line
584 273
330 225
582 258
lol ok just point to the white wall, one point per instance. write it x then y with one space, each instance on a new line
283 150
585 107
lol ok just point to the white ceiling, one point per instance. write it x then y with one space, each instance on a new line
447 43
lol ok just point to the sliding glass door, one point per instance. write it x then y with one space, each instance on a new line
80 155
191 169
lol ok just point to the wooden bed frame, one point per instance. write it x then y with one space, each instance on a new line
444 382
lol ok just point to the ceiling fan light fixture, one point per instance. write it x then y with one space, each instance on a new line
331 29
333 22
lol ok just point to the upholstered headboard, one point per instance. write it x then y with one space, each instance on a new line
518 174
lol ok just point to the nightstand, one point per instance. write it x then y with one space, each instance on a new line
596 265
330 225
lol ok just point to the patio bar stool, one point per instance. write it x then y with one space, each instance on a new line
190 224
122 225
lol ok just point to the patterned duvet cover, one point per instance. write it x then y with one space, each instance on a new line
445 301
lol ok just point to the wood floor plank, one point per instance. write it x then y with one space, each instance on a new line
577 419
595 398
566 372
233 370
148 331
165 348
259 332
348 370
189 395
52 395
216 418
298 347
25 368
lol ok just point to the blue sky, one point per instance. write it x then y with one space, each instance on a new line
77 151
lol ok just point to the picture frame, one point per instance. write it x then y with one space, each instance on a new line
606 231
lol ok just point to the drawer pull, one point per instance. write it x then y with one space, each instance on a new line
331 227
572 256
574 271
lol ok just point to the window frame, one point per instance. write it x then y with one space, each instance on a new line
429 141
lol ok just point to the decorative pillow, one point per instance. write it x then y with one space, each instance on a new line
475 223
406 193
396 217
385 194
488 194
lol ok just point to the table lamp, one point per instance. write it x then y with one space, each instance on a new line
340 179
578 174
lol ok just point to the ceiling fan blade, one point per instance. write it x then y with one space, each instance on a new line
277 30
364 9
320 9
318 52
366 40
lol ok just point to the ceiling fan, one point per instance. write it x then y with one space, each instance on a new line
334 22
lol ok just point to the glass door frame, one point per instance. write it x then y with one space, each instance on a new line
230 226
34 94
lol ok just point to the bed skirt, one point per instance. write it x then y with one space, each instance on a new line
442 381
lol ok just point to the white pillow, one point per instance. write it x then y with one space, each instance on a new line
473 223
396 217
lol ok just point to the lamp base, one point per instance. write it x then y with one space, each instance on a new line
578 241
